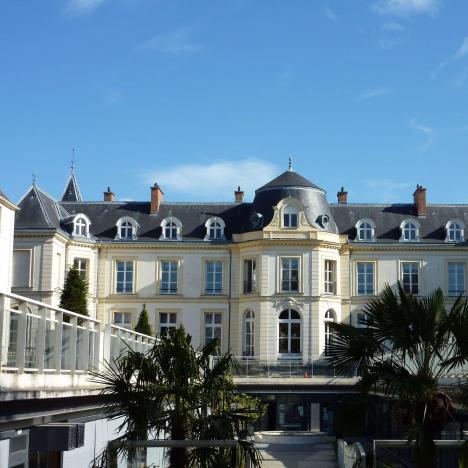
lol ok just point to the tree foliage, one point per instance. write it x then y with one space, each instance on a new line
74 293
143 325
180 392
408 345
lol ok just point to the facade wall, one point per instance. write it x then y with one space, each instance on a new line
7 222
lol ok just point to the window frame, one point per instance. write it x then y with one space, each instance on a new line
374 277
131 225
289 322
124 260
456 262
80 270
209 226
248 339
329 317
205 290
292 213
178 229
255 275
167 325
213 325
87 224
280 274
123 313
404 229
326 281
178 262
359 225
449 230
30 269
404 262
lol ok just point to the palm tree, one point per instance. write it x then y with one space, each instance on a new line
178 391
408 344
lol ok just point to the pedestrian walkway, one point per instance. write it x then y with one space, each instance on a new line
296 451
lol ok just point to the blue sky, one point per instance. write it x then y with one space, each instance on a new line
202 96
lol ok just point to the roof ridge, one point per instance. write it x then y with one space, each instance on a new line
41 203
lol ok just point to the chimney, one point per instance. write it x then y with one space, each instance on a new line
156 198
342 196
239 195
109 195
419 197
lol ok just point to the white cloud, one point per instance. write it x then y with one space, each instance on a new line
330 14
215 181
393 26
372 93
80 7
174 42
460 53
406 7
424 129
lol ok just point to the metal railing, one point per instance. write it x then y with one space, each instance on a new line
37 338
283 367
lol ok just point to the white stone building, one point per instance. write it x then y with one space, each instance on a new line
265 277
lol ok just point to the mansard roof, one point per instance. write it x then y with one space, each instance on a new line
72 190
388 218
288 178
104 217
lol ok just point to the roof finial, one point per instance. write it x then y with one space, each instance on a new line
34 179
290 168
72 166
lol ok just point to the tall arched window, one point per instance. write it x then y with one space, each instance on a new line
290 217
289 332
215 229
409 231
329 317
455 231
249 332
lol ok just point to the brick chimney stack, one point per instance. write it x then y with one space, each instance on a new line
419 197
342 196
239 195
156 198
109 195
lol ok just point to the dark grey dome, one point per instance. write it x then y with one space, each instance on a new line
291 184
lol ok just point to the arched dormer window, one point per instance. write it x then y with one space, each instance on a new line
409 230
81 225
171 229
365 230
455 231
215 229
290 216
127 228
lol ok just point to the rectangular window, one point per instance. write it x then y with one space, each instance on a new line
410 277
361 319
250 276
81 265
213 327
456 279
167 320
124 277
290 274
123 319
21 268
214 277
330 277
365 278
168 277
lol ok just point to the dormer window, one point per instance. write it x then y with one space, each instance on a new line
171 229
455 231
409 231
290 217
365 230
215 229
81 226
126 228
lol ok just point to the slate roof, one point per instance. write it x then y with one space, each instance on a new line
288 178
39 210
104 216
72 190
388 218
